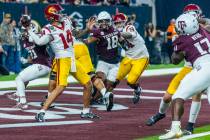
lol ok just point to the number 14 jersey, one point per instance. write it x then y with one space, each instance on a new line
62 39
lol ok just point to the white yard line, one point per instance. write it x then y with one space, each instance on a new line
194 136
42 81
44 123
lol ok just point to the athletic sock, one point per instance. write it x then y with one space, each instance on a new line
22 99
194 111
163 107
86 110
42 110
176 126
103 91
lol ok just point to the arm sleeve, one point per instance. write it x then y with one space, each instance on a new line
43 40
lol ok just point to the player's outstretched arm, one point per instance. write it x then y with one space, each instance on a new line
40 41
126 35
90 40
89 26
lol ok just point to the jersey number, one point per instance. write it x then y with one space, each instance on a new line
112 42
199 48
32 54
66 40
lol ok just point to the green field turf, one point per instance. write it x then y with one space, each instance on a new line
159 66
197 130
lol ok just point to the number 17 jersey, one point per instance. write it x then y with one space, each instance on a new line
194 46
62 39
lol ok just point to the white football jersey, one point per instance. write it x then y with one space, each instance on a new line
135 46
62 43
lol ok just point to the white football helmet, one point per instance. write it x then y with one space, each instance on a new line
104 19
187 24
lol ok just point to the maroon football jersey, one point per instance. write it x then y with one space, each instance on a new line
107 46
193 46
38 54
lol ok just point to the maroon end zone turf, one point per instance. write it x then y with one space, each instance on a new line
116 125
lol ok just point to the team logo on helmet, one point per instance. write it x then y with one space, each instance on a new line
52 10
182 24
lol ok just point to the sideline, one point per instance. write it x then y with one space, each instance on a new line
42 81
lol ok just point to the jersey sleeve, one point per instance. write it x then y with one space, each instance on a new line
178 45
132 30
46 31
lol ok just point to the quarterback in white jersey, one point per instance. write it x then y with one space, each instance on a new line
136 55
58 34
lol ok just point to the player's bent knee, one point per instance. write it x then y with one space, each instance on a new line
19 79
167 98
197 98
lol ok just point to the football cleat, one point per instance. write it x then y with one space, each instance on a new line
136 96
40 117
89 115
152 120
171 135
21 106
108 98
189 129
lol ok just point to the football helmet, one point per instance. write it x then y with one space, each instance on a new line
25 21
53 12
193 8
120 20
187 24
104 20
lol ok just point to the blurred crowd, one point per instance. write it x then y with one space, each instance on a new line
159 42
84 2
13 57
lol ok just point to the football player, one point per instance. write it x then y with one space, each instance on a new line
136 55
194 10
83 56
106 38
58 34
193 45
39 58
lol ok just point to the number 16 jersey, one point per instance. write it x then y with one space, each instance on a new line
62 39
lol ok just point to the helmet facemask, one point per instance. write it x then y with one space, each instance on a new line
104 23
119 25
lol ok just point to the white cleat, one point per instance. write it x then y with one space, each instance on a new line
21 106
171 134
